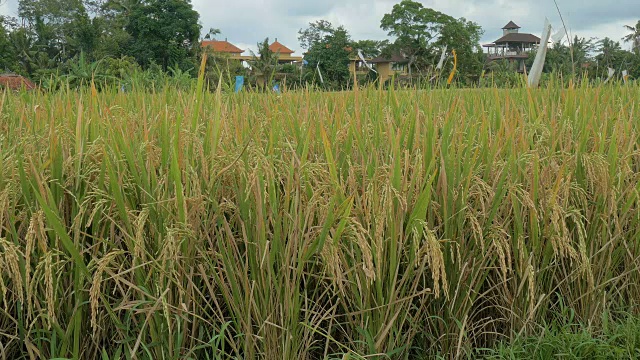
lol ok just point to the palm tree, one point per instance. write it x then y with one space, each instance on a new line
264 64
633 37
609 52
212 33
502 66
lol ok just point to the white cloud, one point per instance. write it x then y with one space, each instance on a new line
9 7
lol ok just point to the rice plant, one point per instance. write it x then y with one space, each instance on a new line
367 224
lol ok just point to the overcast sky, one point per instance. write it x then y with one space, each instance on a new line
245 22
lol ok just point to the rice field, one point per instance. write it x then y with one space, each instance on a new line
358 225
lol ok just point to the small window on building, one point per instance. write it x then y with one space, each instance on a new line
397 67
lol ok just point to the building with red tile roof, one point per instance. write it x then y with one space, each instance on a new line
277 47
285 55
15 82
222 46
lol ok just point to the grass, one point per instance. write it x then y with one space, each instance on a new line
616 340
368 224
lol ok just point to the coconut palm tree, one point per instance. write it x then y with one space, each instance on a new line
212 33
633 37
264 64
609 53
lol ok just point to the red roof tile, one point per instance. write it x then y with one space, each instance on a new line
277 47
222 46
15 82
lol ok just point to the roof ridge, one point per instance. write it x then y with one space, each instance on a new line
511 25
221 46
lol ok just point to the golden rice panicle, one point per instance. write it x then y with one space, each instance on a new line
330 254
3 287
432 254
532 288
49 288
11 256
35 232
500 243
96 285
139 240
357 232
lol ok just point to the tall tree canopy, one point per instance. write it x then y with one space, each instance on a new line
330 47
633 37
60 28
6 54
162 31
559 56
370 48
611 55
264 64
421 32
52 35
315 33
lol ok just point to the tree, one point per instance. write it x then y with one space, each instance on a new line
331 52
51 12
315 33
62 27
559 56
20 51
83 36
611 55
464 37
221 68
501 73
162 31
264 64
7 58
110 22
633 37
322 30
414 28
211 34
370 48
420 33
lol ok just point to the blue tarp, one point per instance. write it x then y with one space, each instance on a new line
239 83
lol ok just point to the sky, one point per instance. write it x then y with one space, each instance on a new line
247 22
